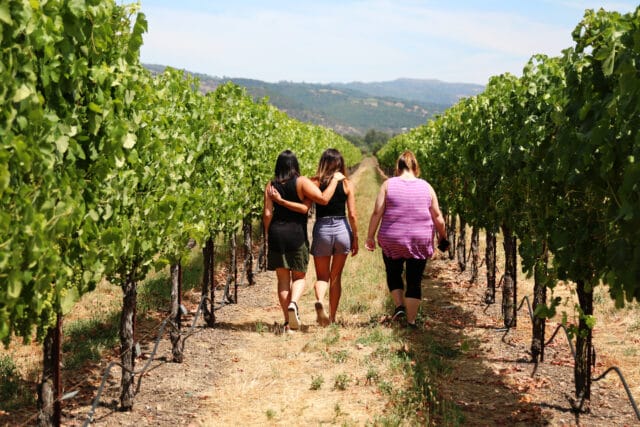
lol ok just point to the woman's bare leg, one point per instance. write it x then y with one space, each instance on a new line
284 289
412 305
335 284
323 274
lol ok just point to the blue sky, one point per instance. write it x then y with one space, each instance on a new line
325 41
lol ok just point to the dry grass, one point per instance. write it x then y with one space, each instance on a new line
616 336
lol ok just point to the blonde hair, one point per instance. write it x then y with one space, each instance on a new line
407 162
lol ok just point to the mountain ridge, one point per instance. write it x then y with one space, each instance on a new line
352 108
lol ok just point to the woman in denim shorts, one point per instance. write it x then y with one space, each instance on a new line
335 234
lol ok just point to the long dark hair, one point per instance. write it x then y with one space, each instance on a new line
331 161
286 166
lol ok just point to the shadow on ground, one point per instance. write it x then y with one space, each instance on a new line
455 360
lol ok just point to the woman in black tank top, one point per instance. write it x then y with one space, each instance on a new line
286 230
335 233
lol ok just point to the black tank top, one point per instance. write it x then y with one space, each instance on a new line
288 192
335 207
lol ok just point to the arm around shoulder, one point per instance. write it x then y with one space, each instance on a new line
311 191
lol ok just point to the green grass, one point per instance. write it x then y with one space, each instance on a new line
14 391
316 382
372 375
341 382
377 335
340 356
332 335
86 339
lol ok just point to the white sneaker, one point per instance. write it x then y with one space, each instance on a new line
294 318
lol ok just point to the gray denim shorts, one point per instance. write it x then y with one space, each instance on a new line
331 235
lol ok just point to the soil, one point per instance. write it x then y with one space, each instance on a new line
494 382
246 372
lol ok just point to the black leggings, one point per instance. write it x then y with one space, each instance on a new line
415 269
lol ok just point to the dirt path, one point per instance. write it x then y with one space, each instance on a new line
246 372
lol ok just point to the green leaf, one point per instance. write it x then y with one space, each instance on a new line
14 288
95 108
68 299
129 141
77 7
590 320
94 215
5 14
5 177
62 144
22 93
607 65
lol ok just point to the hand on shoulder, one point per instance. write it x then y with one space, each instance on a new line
274 194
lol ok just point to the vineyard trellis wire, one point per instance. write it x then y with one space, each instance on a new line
185 334
573 354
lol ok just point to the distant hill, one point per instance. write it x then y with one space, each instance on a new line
353 108
417 90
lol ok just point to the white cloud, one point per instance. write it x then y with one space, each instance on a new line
351 40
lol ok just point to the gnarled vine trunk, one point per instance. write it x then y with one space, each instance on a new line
490 261
539 299
248 254
208 285
584 348
262 257
232 275
127 342
461 248
475 256
451 236
509 296
177 343
50 389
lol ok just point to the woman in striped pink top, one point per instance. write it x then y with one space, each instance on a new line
407 212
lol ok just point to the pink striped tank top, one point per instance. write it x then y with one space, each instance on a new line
406 230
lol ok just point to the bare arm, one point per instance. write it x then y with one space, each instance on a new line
311 191
376 216
436 215
276 197
353 220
